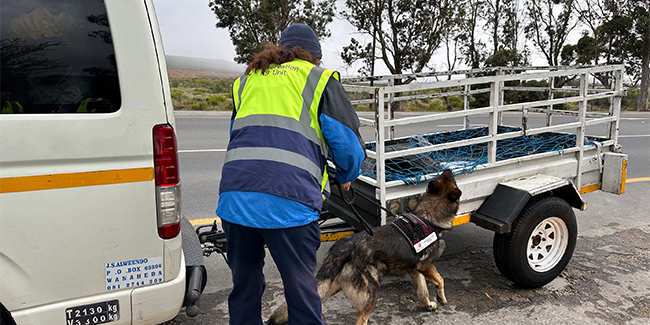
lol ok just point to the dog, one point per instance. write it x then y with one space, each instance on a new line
355 263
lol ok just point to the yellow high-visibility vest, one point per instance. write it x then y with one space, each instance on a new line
276 126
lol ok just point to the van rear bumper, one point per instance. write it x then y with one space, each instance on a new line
159 303
153 304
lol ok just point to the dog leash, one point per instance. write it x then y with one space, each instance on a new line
374 202
350 202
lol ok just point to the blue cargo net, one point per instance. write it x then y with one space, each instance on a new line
413 169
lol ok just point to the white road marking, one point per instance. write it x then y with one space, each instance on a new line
202 150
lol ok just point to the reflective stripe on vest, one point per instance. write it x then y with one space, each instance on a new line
277 155
276 103
283 122
239 85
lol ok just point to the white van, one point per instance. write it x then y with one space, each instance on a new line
89 180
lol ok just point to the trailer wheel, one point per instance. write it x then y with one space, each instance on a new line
540 243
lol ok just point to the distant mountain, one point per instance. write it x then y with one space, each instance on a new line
204 66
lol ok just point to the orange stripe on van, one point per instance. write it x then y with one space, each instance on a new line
58 181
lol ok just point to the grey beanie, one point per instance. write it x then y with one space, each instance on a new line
303 36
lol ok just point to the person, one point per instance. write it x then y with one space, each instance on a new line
289 115
73 101
9 106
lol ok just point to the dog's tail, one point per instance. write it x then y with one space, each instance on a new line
337 257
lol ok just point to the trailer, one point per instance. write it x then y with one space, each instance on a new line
521 181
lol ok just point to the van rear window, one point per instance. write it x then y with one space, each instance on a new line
57 57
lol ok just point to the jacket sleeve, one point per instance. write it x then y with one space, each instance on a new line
340 126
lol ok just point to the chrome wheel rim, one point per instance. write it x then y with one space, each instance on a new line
547 244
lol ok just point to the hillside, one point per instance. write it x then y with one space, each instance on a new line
188 67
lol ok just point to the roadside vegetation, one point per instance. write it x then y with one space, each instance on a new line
214 94
201 94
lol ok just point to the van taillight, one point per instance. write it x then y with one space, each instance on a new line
168 182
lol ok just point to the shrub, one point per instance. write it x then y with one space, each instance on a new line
437 104
199 106
198 91
630 101
222 86
174 82
202 83
177 94
598 104
456 102
216 100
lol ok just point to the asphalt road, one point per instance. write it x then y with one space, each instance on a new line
606 282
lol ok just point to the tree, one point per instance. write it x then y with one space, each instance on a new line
17 57
549 25
505 26
451 38
494 16
642 16
585 52
620 34
594 13
253 23
472 48
595 47
407 33
451 35
507 58
103 34
512 25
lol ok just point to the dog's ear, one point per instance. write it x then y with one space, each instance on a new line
454 195
434 187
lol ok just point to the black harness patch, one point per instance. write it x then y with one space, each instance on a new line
414 230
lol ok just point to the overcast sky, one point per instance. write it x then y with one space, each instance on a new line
188 29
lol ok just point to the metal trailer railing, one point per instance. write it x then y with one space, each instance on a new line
385 93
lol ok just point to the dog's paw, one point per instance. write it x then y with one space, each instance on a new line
432 306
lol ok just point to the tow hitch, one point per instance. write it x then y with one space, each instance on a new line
212 240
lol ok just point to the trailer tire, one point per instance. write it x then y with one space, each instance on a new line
540 243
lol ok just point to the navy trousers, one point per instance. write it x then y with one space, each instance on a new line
293 251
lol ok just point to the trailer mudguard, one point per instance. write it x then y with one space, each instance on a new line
502 207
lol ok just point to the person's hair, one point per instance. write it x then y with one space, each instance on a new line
274 54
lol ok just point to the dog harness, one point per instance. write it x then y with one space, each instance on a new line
419 233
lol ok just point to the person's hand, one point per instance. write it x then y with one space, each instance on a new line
346 186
